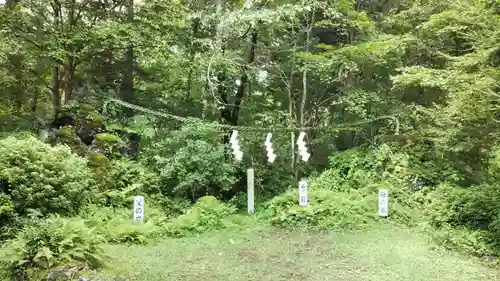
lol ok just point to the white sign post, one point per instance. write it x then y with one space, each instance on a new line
303 192
383 202
138 209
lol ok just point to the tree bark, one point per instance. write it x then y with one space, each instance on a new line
56 91
16 61
240 93
127 90
192 52
69 75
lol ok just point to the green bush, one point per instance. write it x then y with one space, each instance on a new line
470 241
51 244
109 144
117 225
326 209
206 215
191 162
331 208
121 179
35 176
465 219
359 167
475 207
346 195
125 173
171 207
349 169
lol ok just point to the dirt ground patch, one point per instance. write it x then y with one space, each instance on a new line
275 255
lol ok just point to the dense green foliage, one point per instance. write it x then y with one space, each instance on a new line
103 101
53 243
38 176
191 162
207 214
37 179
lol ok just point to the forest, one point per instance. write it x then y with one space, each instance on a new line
104 100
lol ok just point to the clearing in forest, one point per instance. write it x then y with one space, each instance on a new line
272 255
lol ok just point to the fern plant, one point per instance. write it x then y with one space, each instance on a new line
51 244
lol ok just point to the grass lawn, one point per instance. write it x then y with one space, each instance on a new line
272 255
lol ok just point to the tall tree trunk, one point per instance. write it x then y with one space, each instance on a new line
127 90
12 3
221 74
69 65
303 102
192 52
69 75
16 60
56 91
16 90
291 115
240 93
56 79
304 75
225 113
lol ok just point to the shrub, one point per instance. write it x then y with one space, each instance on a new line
470 241
192 162
206 215
35 175
117 226
475 207
7 216
346 195
334 209
348 169
121 179
325 210
465 219
49 244
357 168
125 173
171 207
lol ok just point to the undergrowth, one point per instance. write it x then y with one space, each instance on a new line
346 195
116 224
50 244
333 209
207 214
343 197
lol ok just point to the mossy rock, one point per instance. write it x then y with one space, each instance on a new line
109 143
68 109
88 114
68 136
86 107
98 160
84 113
67 132
108 138
97 119
207 200
6 206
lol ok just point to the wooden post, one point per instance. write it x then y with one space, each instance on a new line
250 191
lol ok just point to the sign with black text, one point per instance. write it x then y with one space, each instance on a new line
138 209
303 192
383 202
